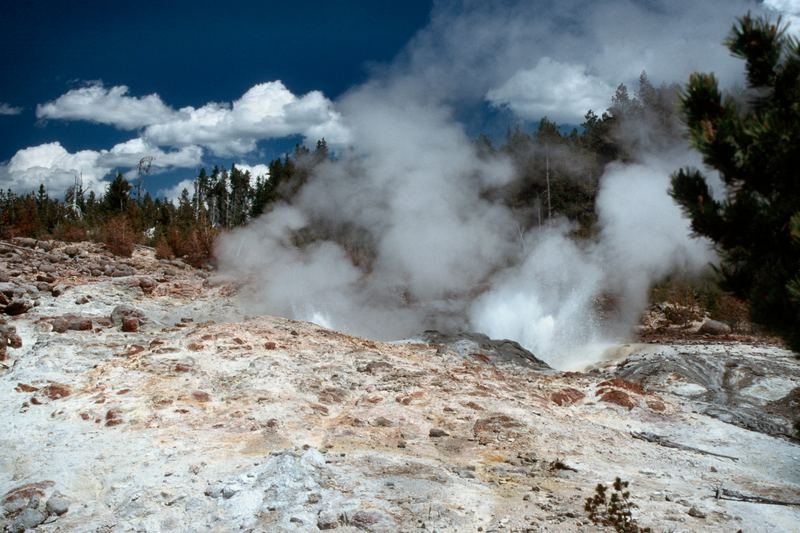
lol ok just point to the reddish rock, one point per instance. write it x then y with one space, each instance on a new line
180 367
80 324
14 340
407 399
618 397
24 493
147 284
195 346
113 417
23 387
133 350
130 324
620 383
567 396
17 307
474 406
201 396
656 405
56 391
270 345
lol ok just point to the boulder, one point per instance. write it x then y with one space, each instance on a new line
715 327
18 307
124 311
27 519
27 242
57 505
327 519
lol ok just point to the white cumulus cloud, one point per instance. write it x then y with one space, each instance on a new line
55 167
173 194
96 103
259 170
561 91
6 109
267 110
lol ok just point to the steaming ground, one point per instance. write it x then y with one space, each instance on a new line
408 237
447 258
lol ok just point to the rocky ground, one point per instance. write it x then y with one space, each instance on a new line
134 397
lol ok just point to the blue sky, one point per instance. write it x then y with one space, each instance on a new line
189 53
90 87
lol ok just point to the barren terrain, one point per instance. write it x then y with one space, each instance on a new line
134 391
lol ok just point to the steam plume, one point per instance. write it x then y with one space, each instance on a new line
408 236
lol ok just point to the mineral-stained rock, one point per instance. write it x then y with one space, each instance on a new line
620 383
55 391
566 396
113 417
130 324
618 397
19 497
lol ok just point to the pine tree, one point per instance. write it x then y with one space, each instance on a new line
754 146
117 194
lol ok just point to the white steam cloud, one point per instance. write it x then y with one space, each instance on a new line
406 233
